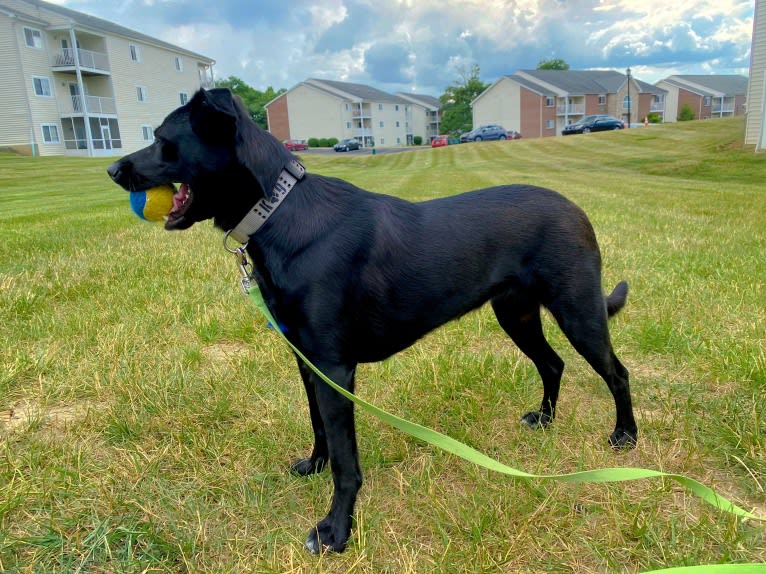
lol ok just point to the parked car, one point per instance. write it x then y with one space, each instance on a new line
598 123
346 145
440 141
513 135
296 145
483 133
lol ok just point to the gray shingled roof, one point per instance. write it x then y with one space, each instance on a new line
427 101
713 84
360 91
576 82
98 24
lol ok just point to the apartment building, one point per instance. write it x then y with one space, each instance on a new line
79 85
317 108
540 103
709 96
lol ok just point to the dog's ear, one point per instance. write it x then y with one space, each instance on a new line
213 115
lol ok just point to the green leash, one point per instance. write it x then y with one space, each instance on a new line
472 455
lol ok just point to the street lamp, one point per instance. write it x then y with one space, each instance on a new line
627 72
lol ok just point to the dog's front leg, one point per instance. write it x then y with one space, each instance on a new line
319 455
337 412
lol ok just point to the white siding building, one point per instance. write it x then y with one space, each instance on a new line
755 130
78 85
324 109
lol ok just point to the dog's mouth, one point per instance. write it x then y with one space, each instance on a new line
182 201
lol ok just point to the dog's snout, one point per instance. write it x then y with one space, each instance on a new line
114 171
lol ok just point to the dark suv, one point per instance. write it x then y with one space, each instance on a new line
593 124
488 132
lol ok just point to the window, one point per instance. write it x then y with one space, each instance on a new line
382 141
626 103
601 99
33 38
548 124
396 107
50 133
42 86
348 125
380 107
179 61
135 53
381 124
706 101
147 133
141 94
397 125
183 97
549 101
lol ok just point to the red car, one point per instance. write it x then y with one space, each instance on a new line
439 141
296 145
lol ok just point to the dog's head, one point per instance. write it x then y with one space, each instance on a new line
222 161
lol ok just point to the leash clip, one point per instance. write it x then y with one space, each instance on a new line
244 264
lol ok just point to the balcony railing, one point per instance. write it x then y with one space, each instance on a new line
88 59
571 109
723 109
657 107
361 132
91 104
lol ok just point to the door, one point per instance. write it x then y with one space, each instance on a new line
106 135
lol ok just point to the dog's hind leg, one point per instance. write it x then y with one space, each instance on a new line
319 455
584 321
337 413
521 320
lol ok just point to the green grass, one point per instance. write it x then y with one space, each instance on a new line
147 416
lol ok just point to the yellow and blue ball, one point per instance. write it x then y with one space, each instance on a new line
153 204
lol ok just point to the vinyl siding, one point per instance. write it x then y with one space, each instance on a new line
755 132
316 114
500 104
14 111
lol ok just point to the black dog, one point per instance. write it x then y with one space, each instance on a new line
354 276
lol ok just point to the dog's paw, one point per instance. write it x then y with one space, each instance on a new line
308 466
536 419
328 537
622 439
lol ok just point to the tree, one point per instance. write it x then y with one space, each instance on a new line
456 101
254 100
553 64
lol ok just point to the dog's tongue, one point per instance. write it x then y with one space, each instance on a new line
179 199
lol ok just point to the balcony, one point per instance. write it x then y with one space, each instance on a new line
93 105
570 110
725 108
94 62
657 107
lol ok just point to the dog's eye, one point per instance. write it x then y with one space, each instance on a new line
169 151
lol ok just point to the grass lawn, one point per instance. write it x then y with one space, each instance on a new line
148 416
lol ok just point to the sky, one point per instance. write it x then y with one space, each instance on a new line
422 46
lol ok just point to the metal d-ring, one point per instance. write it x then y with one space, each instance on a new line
238 250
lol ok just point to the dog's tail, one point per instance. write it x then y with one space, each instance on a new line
616 300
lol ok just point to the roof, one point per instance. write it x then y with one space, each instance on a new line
710 85
356 91
422 99
578 82
97 24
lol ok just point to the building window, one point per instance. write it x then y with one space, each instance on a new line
396 107
382 141
706 101
33 38
626 103
135 53
141 94
549 101
380 107
50 133
381 123
147 133
346 106
398 140
183 97
42 86
548 124
397 125
348 125
601 99
179 61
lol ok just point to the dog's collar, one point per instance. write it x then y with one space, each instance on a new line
292 173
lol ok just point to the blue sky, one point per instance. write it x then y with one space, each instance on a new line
420 45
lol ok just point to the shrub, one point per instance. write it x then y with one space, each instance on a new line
655 118
686 113
332 141
417 140
313 142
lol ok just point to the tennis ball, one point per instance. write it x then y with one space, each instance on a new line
154 203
